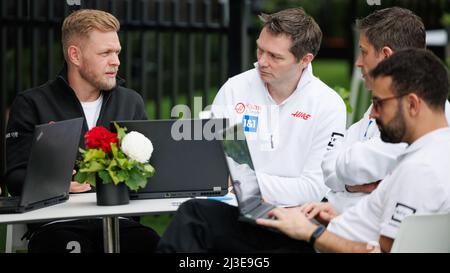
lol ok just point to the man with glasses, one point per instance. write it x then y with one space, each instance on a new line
410 90
357 163
377 104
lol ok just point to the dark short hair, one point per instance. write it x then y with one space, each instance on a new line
395 27
294 22
416 71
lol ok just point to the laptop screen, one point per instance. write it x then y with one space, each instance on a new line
51 161
187 158
242 171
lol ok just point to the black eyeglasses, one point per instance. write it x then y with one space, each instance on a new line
378 103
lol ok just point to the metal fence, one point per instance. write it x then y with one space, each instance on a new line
170 48
172 51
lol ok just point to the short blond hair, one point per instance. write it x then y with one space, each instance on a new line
82 22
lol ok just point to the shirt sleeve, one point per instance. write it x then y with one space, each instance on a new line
418 191
356 161
19 136
367 162
222 104
309 186
330 158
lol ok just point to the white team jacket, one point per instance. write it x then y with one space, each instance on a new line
359 158
419 184
287 141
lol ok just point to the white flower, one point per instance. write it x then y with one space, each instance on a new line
136 146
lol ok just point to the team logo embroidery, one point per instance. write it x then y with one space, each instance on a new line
240 108
301 115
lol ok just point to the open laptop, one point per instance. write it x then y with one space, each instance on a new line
187 158
49 170
243 176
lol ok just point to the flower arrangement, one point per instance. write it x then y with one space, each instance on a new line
115 158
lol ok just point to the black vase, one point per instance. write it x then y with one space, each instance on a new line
111 194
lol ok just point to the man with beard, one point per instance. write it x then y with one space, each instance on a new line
410 90
357 163
86 87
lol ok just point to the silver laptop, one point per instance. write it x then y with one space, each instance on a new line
50 165
243 176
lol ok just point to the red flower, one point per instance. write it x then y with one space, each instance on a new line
100 137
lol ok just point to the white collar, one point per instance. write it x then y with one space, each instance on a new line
427 138
306 78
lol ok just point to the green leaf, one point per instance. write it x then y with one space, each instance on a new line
149 169
136 180
93 166
122 162
112 172
123 175
114 149
90 178
80 177
94 154
121 132
345 95
135 184
104 175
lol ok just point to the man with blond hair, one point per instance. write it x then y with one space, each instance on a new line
86 87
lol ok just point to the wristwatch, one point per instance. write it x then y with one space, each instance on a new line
316 234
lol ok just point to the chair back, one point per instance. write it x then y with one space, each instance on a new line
423 234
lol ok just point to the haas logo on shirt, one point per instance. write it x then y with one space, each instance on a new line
240 108
301 115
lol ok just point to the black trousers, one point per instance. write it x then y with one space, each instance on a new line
213 226
86 236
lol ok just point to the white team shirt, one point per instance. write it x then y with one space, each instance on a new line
287 141
420 184
360 158
91 111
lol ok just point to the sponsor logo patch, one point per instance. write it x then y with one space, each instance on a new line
401 211
334 137
250 123
253 108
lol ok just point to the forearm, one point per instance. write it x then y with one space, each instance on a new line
329 242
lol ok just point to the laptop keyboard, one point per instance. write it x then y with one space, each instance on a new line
261 211
9 201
